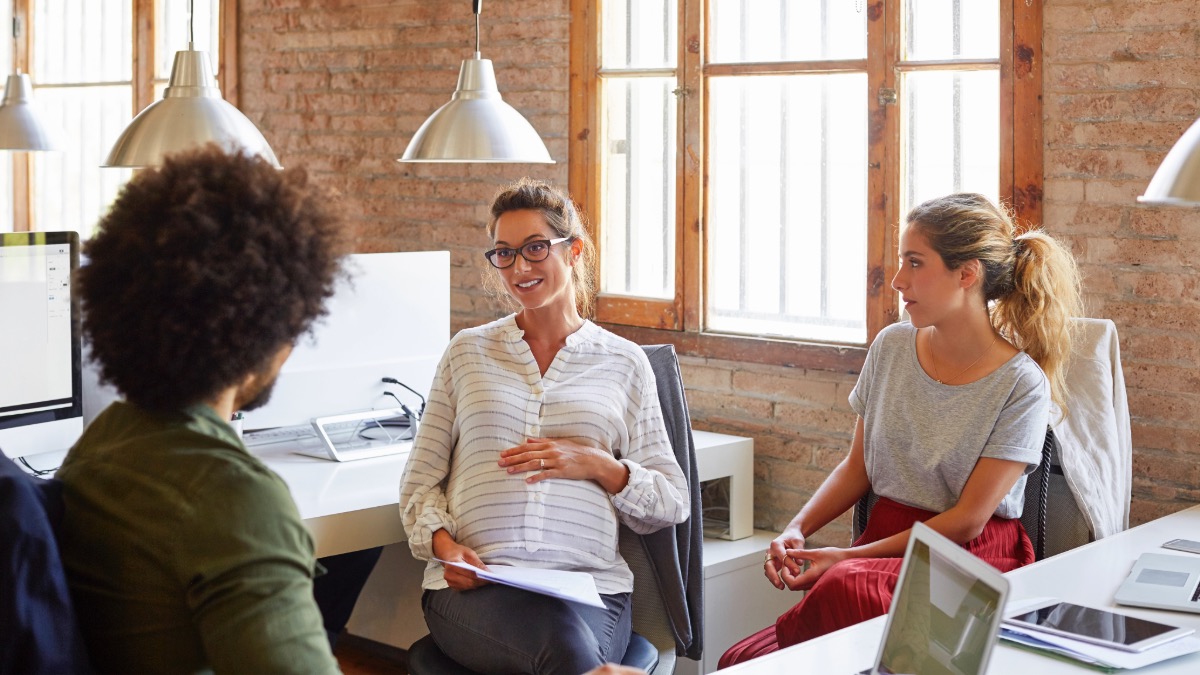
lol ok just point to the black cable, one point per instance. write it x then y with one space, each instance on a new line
403 407
36 472
392 380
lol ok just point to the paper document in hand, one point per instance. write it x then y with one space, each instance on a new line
571 586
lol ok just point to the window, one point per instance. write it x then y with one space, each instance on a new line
95 63
744 162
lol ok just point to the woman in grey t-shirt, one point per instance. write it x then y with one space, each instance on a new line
952 412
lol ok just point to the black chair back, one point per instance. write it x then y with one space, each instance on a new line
1037 494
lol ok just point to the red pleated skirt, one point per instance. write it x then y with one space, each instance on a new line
856 590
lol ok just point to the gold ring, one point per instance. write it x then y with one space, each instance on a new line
768 557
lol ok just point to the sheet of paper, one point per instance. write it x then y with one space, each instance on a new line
1115 658
1039 645
1087 652
571 586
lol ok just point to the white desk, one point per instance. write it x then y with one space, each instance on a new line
1087 575
351 506
348 506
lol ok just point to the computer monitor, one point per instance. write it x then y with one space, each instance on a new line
41 407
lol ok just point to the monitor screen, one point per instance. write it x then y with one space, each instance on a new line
40 376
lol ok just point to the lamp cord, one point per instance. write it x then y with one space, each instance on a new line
478 7
191 24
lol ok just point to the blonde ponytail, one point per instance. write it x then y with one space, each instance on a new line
1036 315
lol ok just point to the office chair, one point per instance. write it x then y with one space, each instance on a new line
1068 527
1046 493
661 630
1095 443
40 633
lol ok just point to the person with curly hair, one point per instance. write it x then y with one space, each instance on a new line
543 433
183 551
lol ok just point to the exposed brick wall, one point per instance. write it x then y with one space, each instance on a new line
341 85
1121 84
800 422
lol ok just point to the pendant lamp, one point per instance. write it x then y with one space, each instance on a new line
191 113
1177 180
476 125
20 128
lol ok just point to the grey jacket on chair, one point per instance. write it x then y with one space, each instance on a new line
675 552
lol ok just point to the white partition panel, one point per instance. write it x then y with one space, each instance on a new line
391 318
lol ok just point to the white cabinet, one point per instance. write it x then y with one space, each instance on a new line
725 456
738 600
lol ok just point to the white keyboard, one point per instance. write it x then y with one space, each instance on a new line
299 432
293 434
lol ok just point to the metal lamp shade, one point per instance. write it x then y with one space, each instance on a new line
191 113
19 126
1177 181
476 125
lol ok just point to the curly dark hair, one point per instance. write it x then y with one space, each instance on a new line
201 271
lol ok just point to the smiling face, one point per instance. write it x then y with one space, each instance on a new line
536 285
929 290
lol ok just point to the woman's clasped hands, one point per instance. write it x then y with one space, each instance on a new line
784 565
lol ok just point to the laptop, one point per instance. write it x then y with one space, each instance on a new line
946 611
1162 581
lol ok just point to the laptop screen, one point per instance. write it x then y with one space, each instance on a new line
944 616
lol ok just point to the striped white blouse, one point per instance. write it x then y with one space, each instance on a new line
488 396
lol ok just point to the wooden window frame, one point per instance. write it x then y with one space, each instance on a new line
679 320
144 58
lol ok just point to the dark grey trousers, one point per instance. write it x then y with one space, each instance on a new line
500 629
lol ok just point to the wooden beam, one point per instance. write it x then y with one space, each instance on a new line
583 123
143 54
1007 103
787 67
883 164
813 356
22 162
227 73
691 216
1027 138
633 311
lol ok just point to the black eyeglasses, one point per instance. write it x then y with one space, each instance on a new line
533 251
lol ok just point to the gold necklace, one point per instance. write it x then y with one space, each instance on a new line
933 360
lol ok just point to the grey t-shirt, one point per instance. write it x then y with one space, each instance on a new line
922 439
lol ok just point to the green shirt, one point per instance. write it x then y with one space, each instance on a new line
184 552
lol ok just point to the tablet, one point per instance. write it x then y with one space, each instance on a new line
1098 626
